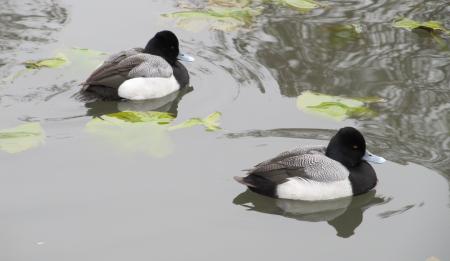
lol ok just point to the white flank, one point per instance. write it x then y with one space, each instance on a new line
140 88
301 189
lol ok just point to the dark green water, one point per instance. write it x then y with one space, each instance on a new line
161 195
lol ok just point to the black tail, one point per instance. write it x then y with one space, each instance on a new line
258 184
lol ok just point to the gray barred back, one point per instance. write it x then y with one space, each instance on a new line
128 64
150 66
311 160
117 57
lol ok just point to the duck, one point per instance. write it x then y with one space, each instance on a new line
141 73
312 173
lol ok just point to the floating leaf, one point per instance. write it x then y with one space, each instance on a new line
88 52
357 28
84 58
161 118
135 131
211 122
409 24
55 62
344 31
224 19
230 3
302 5
144 131
21 138
336 107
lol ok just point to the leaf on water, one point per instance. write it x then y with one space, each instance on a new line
144 131
211 122
357 28
135 131
161 118
21 138
344 31
55 62
223 19
84 58
88 52
230 3
336 107
409 24
302 5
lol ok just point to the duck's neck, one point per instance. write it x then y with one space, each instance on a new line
152 48
362 178
181 74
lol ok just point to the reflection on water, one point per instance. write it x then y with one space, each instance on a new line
26 23
168 103
408 69
344 214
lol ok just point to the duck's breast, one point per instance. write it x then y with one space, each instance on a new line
142 88
311 190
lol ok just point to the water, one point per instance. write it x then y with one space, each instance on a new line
159 195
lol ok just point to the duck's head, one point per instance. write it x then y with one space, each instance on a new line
166 45
348 147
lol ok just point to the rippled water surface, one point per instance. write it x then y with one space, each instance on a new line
152 194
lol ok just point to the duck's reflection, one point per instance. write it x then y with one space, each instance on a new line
167 103
344 214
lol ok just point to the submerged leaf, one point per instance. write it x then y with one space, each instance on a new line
84 58
230 3
409 24
144 131
21 138
336 107
135 131
302 5
88 52
224 19
211 122
55 62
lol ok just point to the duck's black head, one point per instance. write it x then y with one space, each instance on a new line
348 147
164 44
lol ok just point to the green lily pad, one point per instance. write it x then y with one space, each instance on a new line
211 122
58 61
21 138
135 131
336 107
409 24
223 19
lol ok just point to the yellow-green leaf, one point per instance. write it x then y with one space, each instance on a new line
211 122
335 107
135 132
55 62
161 118
409 24
21 138
224 19
301 5
88 52
230 3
